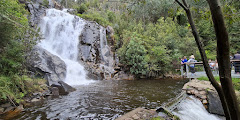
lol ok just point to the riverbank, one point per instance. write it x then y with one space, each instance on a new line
24 92
19 92
236 84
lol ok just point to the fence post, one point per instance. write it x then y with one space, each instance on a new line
182 70
187 70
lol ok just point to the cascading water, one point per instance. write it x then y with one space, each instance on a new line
192 109
61 32
105 52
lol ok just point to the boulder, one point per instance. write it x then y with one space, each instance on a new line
34 100
6 105
8 109
55 91
63 88
1 110
124 76
49 65
215 105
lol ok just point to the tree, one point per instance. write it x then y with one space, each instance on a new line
223 50
227 97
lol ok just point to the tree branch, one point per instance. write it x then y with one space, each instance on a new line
183 6
185 3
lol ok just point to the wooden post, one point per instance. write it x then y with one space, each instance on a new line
182 70
187 70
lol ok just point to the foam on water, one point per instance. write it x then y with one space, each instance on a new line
192 109
61 32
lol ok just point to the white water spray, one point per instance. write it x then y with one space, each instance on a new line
192 109
61 37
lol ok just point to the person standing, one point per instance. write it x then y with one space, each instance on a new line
237 63
192 65
183 61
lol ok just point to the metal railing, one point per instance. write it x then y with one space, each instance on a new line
199 69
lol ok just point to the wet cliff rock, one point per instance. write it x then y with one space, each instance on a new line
215 105
95 53
50 66
37 10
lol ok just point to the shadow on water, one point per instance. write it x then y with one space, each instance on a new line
106 100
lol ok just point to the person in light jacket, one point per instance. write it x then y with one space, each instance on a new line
192 66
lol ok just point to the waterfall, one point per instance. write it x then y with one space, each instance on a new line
192 109
106 55
61 32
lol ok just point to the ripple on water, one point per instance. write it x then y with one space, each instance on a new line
106 100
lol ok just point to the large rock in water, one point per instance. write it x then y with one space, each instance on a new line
47 64
63 88
215 105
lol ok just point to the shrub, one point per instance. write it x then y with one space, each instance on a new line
82 8
46 3
95 16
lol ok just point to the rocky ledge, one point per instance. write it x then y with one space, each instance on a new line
206 93
10 109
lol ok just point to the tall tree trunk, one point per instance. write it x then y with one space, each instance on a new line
204 58
224 59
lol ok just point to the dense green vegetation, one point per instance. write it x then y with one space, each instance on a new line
160 29
16 40
150 35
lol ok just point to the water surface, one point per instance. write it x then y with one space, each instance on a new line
106 100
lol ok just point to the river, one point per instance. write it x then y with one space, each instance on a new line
106 100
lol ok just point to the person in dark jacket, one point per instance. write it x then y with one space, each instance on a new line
237 63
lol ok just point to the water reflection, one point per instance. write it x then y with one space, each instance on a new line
106 100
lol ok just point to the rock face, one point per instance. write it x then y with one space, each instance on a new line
215 105
95 53
47 64
204 91
36 11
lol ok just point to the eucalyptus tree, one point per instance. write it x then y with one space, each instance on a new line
226 91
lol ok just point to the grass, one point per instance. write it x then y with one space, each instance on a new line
235 81
16 87
157 118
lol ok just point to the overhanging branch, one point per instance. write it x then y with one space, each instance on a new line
183 6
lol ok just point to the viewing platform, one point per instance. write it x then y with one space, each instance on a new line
200 72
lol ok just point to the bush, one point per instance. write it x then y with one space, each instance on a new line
13 44
95 16
46 3
82 8
15 87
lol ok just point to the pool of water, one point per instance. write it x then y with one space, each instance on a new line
106 100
